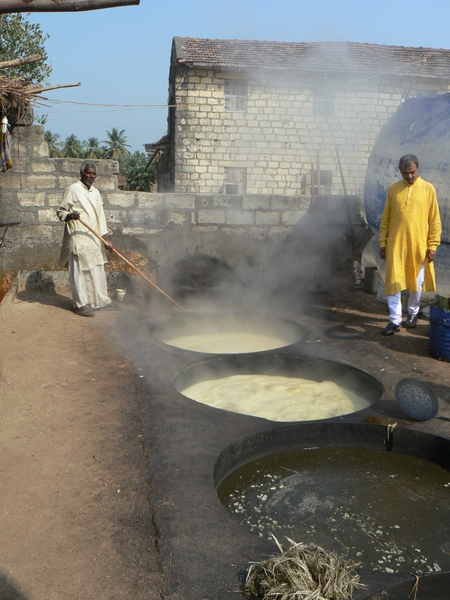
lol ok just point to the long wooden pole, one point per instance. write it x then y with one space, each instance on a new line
39 90
131 264
11 6
19 61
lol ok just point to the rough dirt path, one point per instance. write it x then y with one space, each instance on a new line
75 518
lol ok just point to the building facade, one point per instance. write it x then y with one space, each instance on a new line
272 118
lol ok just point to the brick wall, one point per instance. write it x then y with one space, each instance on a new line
278 135
163 227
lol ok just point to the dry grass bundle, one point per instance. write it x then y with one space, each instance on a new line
303 572
16 93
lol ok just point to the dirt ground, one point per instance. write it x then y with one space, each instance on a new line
75 516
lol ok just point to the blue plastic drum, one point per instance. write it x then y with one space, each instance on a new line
439 346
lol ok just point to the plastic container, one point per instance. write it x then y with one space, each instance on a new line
439 346
120 294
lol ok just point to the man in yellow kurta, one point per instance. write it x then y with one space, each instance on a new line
410 232
81 249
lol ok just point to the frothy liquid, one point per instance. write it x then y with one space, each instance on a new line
227 343
276 398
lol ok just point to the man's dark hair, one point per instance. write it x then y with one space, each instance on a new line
88 163
407 160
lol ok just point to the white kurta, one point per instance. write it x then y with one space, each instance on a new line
77 239
84 252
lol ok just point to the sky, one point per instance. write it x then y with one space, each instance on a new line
121 55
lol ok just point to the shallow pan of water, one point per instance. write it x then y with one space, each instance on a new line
227 333
278 387
335 485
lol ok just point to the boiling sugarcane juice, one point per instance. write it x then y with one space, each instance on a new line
229 333
387 510
224 342
276 397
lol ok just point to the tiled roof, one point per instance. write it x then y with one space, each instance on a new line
161 144
342 58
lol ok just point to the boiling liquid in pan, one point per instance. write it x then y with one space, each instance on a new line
228 333
224 342
389 511
276 397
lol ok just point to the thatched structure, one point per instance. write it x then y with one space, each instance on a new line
16 94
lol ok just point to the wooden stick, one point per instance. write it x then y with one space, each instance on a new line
11 6
19 61
131 265
38 90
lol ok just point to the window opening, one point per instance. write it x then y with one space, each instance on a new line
323 102
235 180
236 95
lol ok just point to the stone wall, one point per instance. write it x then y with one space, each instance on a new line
163 227
277 137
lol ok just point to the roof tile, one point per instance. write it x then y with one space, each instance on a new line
344 58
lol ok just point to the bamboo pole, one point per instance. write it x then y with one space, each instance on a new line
38 90
12 6
19 61
130 264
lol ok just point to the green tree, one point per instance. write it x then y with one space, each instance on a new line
19 38
72 147
136 171
53 143
92 148
116 144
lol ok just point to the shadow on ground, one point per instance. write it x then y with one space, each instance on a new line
9 590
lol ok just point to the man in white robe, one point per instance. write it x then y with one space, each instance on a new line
81 249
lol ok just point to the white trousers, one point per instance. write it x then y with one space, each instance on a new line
87 287
395 300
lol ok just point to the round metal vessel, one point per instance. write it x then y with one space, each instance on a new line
227 333
356 382
432 586
336 485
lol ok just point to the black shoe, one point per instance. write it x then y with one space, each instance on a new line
390 329
410 322
84 311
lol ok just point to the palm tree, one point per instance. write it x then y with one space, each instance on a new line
116 144
52 142
92 148
72 147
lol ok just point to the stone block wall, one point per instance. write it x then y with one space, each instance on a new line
277 137
163 227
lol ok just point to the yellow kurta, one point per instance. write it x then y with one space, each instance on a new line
409 226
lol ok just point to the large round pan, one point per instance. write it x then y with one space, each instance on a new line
227 326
